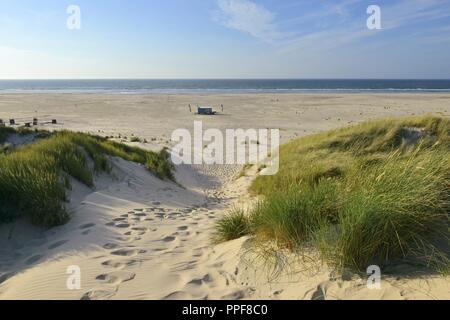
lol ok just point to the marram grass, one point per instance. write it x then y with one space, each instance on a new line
368 194
34 178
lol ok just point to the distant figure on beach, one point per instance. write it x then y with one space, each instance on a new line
190 109
221 107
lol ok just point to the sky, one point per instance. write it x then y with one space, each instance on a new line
179 39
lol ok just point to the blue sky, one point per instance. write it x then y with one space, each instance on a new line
224 39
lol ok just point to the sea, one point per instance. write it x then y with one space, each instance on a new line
135 86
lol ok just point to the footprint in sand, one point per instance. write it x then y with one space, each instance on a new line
33 259
124 239
140 214
116 277
57 244
195 282
113 264
110 246
197 253
237 295
122 225
99 294
169 239
183 228
120 264
277 293
136 231
87 225
178 295
127 252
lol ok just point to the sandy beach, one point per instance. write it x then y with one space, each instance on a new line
136 237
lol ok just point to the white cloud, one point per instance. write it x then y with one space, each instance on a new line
400 14
248 17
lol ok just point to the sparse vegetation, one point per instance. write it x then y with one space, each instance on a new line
244 170
233 226
367 194
34 178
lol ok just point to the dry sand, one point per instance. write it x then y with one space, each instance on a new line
136 237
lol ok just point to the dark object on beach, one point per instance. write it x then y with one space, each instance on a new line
2 124
12 122
54 121
27 124
35 121
205 111
190 109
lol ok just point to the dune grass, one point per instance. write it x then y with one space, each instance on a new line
233 226
34 178
362 195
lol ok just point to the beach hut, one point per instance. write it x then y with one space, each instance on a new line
205 111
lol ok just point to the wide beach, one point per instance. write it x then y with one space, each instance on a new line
137 237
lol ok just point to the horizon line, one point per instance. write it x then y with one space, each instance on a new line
208 79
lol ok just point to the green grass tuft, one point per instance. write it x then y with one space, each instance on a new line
233 226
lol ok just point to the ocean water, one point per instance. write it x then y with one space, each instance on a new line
236 85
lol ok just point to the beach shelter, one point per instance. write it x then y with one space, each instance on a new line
205 110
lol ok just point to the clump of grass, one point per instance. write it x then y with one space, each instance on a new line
367 194
135 139
233 226
34 178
